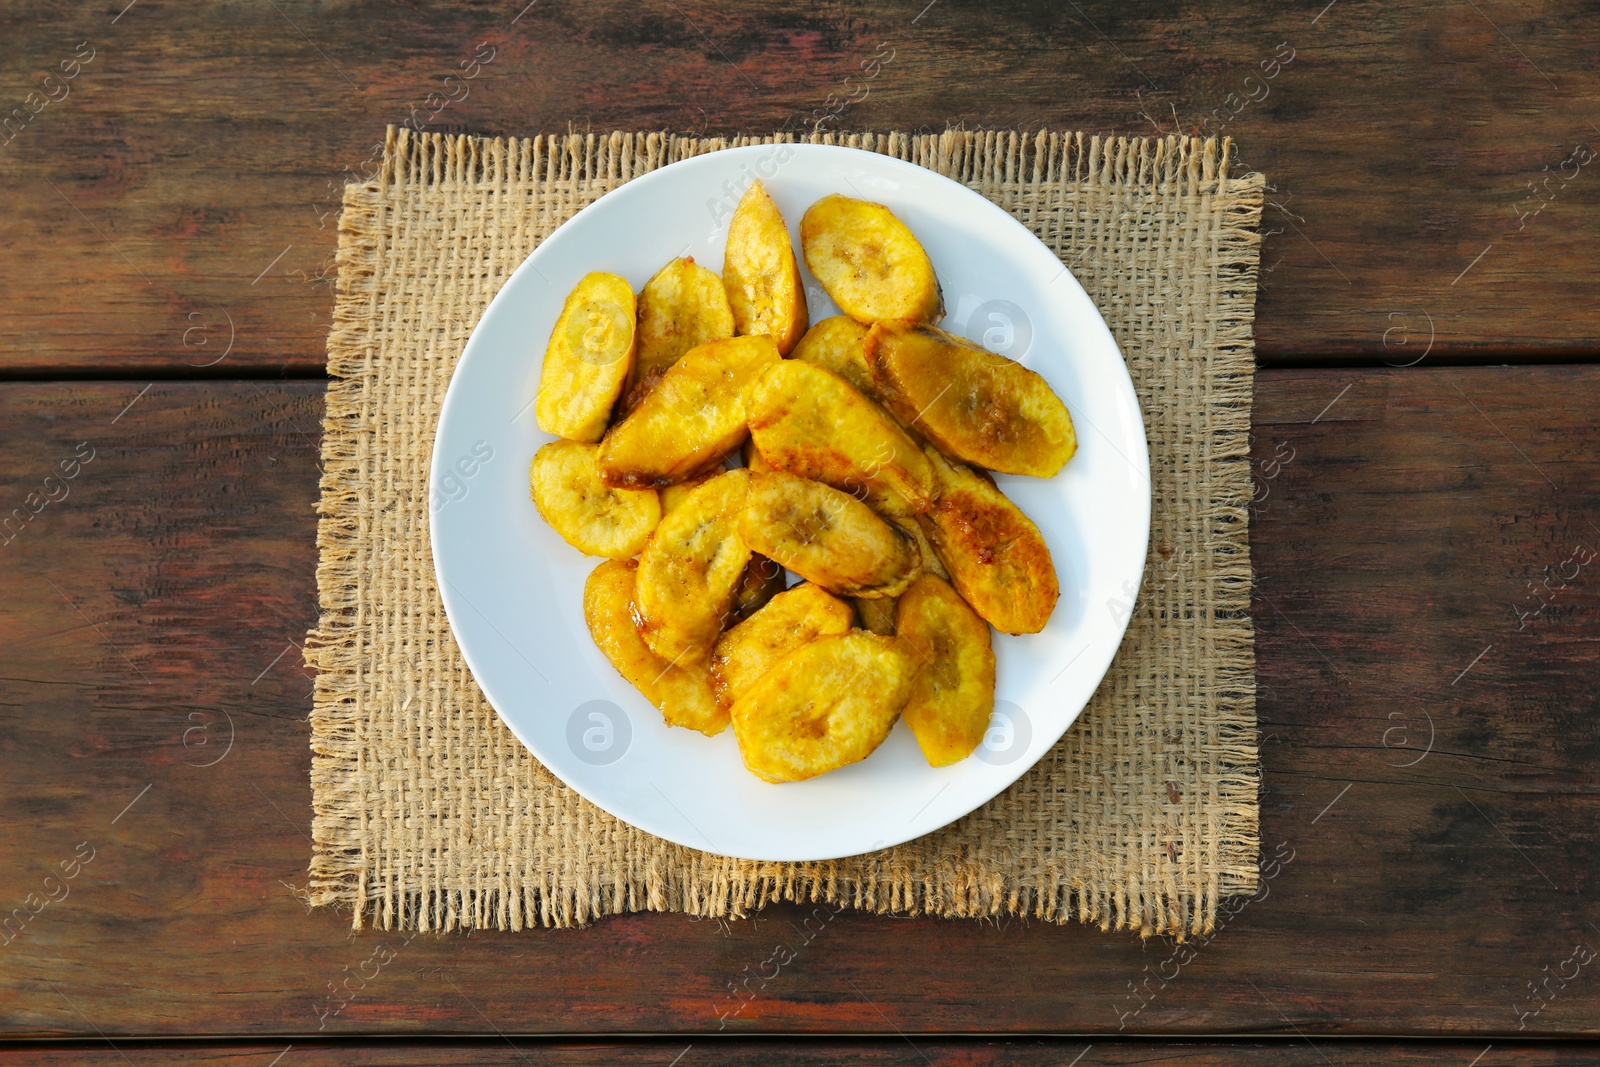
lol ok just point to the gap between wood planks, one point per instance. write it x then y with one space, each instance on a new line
667 1045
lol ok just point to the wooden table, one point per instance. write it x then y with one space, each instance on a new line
1425 537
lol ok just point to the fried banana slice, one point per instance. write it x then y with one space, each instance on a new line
927 555
953 696
673 495
973 404
869 262
756 645
762 580
588 359
684 305
828 703
692 418
760 273
837 344
639 386
589 515
813 423
682 692
877 616
689 569
996 557
826 536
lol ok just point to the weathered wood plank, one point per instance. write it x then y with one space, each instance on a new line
1430 166
1294 1052
1420 887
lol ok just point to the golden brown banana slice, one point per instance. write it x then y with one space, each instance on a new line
689 569
681 691
673 495
877 616
826 536
760 273
813 423
692 418
953 695
837 344
996 557
684 305
592 517
828 703
974 405
588 359
639 387
756 645
868 261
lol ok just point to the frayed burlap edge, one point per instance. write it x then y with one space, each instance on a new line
703 884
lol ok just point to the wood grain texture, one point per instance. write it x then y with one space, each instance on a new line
1431 190
498 1052
1430 733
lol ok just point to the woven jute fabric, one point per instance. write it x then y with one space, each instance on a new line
430 815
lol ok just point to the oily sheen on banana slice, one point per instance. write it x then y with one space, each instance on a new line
973 404
592 517
689 570
811 422
996 557
826 536
692 418
837 343
681 691
868 261
953 696
748 651
588 359
827 704
682 306
760 272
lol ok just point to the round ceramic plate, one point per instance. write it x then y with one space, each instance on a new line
513 589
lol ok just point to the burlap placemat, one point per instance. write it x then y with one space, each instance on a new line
430 814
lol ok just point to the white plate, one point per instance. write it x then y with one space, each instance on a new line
513 589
